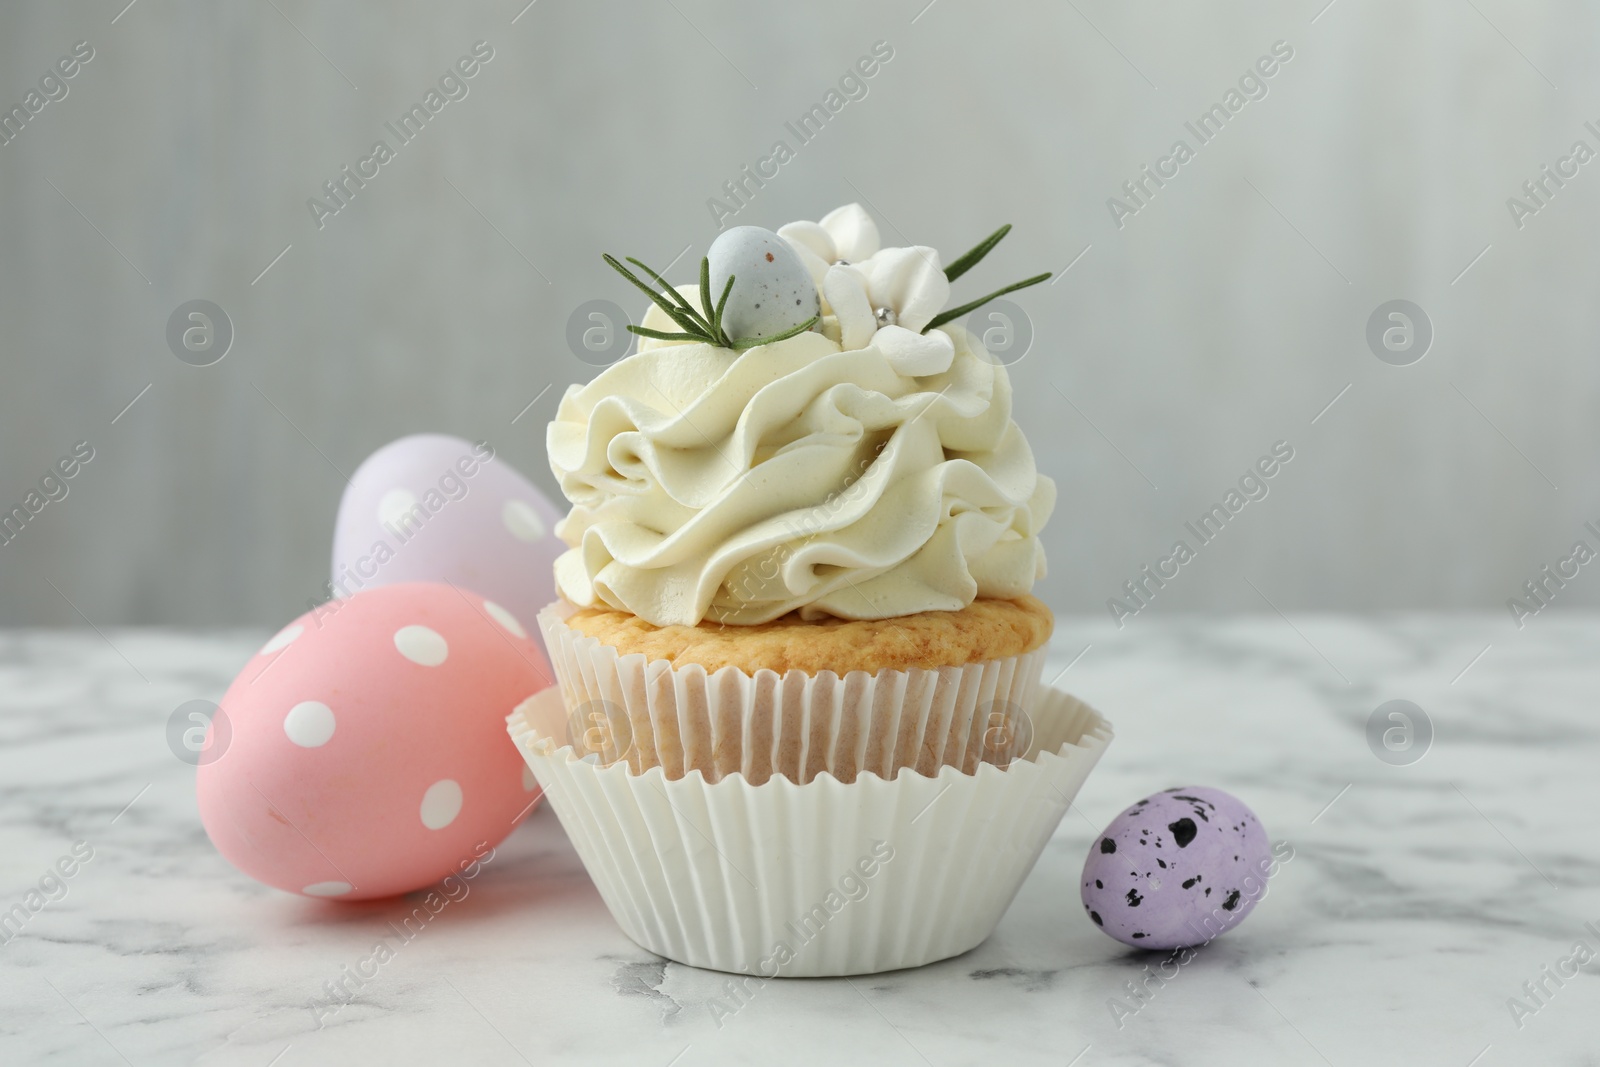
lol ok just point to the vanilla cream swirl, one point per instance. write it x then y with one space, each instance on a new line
737 487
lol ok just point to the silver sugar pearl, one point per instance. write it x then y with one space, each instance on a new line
886 317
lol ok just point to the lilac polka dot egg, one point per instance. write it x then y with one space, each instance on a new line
436 508
1177 869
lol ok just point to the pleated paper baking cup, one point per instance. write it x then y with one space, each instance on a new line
786 880
650 714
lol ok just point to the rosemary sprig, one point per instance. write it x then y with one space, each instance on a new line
672 292
705 295
694 324
977 252
955 313
662 336
793 331
673 311
965 263
716 317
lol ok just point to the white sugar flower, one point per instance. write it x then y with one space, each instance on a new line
887 301
886 298
846 233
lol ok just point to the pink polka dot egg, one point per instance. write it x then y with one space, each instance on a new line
367 753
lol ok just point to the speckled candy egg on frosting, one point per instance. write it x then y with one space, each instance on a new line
368 754
772 289
1177 869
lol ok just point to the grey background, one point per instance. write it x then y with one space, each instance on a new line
1223 317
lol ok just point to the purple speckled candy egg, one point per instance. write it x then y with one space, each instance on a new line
435 508
1177 869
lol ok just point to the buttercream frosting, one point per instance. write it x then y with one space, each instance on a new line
864 471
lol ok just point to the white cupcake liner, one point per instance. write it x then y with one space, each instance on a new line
772 880
799 725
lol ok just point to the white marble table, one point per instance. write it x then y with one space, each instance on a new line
1419 900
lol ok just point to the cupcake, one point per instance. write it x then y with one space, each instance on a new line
804 526
798 727
823 879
